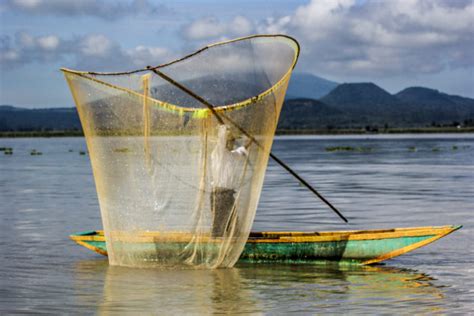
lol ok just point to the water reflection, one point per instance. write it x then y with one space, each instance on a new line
46 198
165 291
259 288
335 289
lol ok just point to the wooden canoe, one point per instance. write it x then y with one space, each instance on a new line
345 247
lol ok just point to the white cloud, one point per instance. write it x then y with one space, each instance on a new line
274 26
27 3
145 56
24 48
50 42
108 9
320 15
211 28
95 52
240 26
9 56
96 45
204 28
380 38
339 38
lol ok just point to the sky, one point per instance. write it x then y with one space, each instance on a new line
395 44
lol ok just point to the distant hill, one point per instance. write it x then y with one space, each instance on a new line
425 95
363 99
21 119
436 106
362 104
307 114
217 91
308 86
348 105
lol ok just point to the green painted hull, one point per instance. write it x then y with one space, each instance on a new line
347 247
352 250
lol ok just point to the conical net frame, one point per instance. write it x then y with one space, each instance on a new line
176 187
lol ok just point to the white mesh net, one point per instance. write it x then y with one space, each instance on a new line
178 185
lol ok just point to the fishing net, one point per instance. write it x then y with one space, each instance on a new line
179 151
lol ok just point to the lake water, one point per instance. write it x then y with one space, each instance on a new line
401 181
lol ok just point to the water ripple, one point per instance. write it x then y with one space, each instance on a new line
43 200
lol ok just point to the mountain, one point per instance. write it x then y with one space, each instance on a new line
425 95
21 119
217 91
436 106
362 99
307 114
303 85
349 105
355 105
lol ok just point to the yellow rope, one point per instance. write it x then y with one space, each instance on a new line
146 117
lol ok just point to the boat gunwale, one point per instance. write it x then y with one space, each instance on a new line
291 237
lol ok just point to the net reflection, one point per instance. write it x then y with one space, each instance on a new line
258 288
336 288
148 291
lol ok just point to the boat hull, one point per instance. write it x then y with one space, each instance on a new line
343 247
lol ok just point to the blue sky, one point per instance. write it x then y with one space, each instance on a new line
395 44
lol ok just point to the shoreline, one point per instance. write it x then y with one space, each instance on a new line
353 131
410 130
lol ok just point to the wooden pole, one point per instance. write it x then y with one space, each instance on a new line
221 121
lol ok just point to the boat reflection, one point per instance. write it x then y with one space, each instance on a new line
250 288
373 289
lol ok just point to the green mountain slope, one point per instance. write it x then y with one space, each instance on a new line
349 105
21 119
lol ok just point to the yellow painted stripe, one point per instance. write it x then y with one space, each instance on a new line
89 246
88 238
411 247
340 236
281 237
323 233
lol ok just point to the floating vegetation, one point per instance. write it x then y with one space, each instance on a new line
121 150
82 153
348 148
34 152
6 149
455 147
412 148
436 149
70 150
339 148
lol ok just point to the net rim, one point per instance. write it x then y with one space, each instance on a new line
198 112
